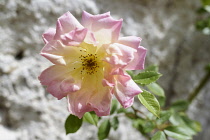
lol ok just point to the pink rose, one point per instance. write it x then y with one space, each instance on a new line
90 62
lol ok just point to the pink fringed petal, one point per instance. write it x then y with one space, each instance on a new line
52 77
78 103
75 37
70 85
90 38
58 53
52 73
105 82
54 89
139 61
139 55
92 97
54 51
100 101
125 90
88 19
120 55
131 41
66 23
105 28
48 35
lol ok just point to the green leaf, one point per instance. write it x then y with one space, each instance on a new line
130 72
121 110
114 106
91 117
161 100
159 136
207 67
115 123
72 124
147 77
206 2
200 25
103 130
138 124
177 133
144 126
164 117
150 102
196 126
201 10
177 120
180 105
156 89
152 68
149 126
207 8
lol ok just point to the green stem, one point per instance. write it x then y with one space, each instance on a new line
202 83
138 111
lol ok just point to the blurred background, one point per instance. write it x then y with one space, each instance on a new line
167 29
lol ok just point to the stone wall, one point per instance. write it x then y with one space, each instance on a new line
167 30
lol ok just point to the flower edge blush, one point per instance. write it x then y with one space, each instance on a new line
90 60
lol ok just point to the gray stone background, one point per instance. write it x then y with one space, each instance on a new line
27 112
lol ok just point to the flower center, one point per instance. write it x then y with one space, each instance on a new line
89 63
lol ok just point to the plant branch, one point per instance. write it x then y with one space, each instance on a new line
202 83
138 111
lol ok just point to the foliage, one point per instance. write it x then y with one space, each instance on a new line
158 123
72 124
203 24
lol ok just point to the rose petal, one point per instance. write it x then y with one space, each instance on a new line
105 82
54 51
114 49
66 23
139 61
114 60
58 53
52 77
139 55
100 97
131 41
122 76
88 19
91 97
52 73
126 92
54 89
48 35
70 85
120 55
100 101
77 103
108 79
74 38
90 38
105 28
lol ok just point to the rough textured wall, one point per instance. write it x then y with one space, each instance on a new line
167 29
